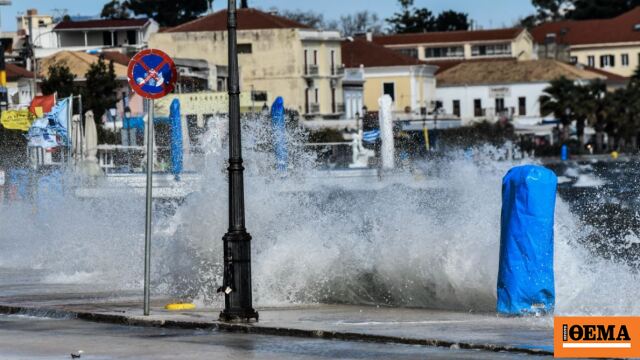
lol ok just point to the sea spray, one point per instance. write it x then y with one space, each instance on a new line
391 244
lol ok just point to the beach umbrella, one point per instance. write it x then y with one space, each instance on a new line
90 137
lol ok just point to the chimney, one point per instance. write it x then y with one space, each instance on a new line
369 36
32 12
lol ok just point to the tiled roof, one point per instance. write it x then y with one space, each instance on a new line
117 57
361 52
513 71
78 62
101 24
583 32
15 72
248 19
449 37
444 65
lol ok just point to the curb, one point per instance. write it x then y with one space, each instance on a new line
260 330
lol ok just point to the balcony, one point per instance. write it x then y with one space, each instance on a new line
340 108
337 71
314 108
311 71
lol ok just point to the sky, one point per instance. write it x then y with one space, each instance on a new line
485 13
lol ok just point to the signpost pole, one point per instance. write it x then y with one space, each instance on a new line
236 242
152 74
147 231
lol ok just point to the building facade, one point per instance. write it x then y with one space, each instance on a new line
612 45
409 81
509 89
462 45
276 56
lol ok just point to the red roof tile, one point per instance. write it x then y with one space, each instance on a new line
118 58
448 36
444 65
101 24
15 72
248 19
583 32
361 52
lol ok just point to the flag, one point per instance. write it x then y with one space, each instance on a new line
371 136
41 105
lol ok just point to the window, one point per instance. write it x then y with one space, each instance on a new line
625 59
306 100
573 60
315 57
591 61
245 49
456 108
491 50
132 37
413 52
306 62
477 107
441 52
499 105
522 106
389 89
607 61
316 96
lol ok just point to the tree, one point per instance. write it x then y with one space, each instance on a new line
598 103
559 99
551 10
115 9
452 21
411 20
360 22
60 80
100 91
309 18
600 9
169 12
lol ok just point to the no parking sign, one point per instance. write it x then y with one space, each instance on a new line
152 74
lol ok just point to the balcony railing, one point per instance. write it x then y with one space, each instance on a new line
314 108
340 108
337 71
312 70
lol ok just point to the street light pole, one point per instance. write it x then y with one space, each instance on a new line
237 242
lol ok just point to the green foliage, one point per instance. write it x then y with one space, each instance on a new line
414 20
554 10
310 18
115 9
100 91
360 22
168 12
60 80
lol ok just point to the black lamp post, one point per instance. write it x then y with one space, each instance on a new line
237 242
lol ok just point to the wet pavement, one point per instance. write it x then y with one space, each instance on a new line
432 331
35 338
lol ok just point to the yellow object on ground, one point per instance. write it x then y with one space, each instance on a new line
180 306
614 155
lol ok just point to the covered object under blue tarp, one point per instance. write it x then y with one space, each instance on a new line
525 275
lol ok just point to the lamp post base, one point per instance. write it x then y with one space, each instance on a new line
239 315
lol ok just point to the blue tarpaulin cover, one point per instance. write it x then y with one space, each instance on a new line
525 275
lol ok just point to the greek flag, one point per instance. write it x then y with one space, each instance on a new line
371 136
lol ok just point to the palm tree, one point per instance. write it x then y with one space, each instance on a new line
560 99
599 104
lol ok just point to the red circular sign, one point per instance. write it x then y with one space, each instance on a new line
152 74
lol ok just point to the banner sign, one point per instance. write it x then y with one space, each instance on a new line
17 119
596 337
